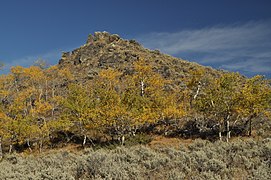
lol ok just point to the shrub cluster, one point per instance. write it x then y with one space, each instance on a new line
240 159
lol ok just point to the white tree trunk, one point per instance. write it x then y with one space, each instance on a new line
122 140
28 144
84 141
10 148
142 88
197 92
220 132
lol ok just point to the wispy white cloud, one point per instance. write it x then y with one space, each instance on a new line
242 47
261 66
28 60
50 57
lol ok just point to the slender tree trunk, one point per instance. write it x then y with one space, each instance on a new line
10 149
28 144
122 140
67 137
53 112
197 92
228 130
84 141
91 141
1 151
220 133
16 86
227 127
30 103
40 95
134 133
142 88
40 146
250 124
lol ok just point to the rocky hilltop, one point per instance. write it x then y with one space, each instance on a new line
103 50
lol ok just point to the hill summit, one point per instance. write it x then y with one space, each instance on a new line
104 50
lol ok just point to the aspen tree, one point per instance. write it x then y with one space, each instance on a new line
253 99
219 99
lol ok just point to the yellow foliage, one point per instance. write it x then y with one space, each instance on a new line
41 108
65 73
110 74
35 73
17 70
254 96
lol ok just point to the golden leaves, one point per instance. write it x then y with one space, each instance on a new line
37 102
110 74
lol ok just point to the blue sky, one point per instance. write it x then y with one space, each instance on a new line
227 34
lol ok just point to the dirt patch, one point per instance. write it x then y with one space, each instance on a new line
161 141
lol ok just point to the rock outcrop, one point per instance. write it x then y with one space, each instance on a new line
103 50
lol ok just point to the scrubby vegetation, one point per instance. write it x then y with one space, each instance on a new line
241 159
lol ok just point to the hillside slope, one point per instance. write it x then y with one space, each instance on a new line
103 50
